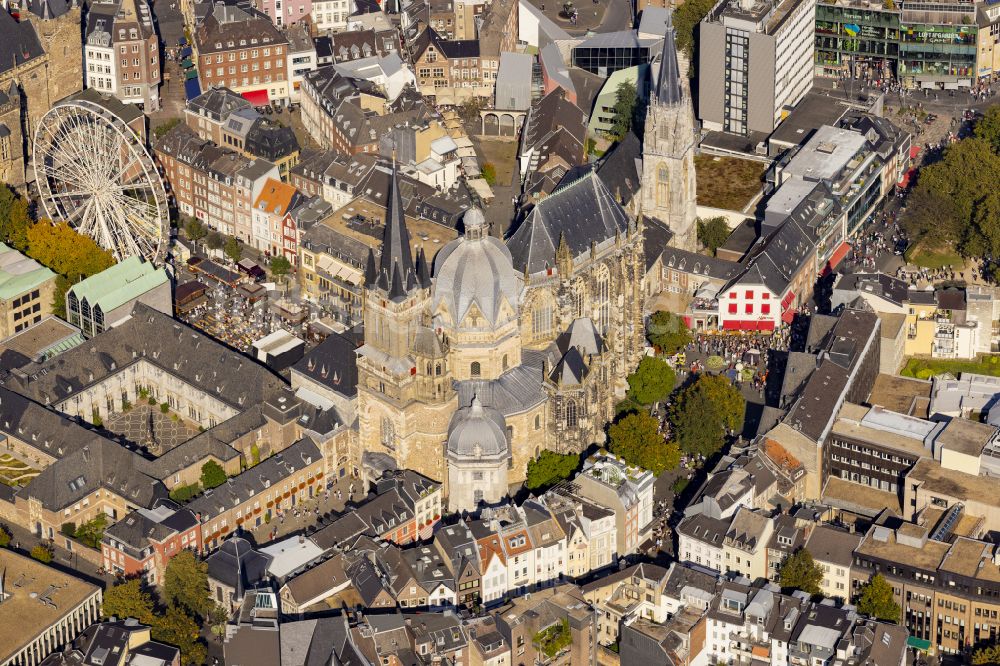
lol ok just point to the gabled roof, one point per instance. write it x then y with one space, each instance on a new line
18 42
580 214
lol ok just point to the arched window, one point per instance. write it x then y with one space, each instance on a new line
571 414
429 369
437 370
388 433
603 298
475 370
505 361
541 317
510 434
663 186
538 423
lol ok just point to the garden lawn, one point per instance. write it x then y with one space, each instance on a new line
934 259
925 368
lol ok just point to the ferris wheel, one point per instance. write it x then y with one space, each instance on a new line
94 172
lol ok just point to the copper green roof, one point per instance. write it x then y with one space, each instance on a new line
119 284
19 273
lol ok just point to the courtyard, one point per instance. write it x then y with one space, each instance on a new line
149 426
15 473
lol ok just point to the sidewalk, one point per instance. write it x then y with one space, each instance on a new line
329 503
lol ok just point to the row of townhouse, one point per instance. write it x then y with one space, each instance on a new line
689 615
235 195
505 552
552 626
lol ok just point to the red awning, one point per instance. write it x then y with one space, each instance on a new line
787 316
789 297
904 182
838 255
748 325
256 97
914 151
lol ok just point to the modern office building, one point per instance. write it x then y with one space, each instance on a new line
26 289
755 63
606 53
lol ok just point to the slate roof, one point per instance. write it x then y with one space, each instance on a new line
513 392
158 339
19 42
699 264
237 565
581 213
888 287
218 103
333 364
268 472
228 23
668 84
621 168
816 408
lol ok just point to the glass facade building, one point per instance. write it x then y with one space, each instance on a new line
923 45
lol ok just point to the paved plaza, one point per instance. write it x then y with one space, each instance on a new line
147 426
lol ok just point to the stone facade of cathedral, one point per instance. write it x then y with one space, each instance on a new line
668 147
532 338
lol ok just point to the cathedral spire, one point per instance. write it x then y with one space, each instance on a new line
397 259
668 85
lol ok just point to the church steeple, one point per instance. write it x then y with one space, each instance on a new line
396 273
668 84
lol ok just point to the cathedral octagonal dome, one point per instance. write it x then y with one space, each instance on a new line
475 269
477 432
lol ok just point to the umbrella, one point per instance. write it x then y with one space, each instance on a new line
751 356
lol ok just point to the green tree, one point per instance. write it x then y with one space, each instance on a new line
128 599
233 249
5 536
988 128
686 18
876 599
704 411
626 101
161 130
215 240
14 219
91 532
185 584
652 381
668 332
489 173
549 468
280 266
177 628
195 230
988 655
800 572
712 233
217 619
42 553
212 475
636 438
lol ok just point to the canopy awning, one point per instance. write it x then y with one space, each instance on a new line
838 255
190 74
918 643
787 316
186 52
182 41
748 325
186 63
192 88
256 97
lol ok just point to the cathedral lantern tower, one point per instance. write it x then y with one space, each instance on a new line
668 177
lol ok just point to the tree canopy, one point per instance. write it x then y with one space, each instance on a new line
876 599
185 584
686 19
951 203
177 628
636 439
233 249
704 411
800 572
280 266
194 229
652 381
626 103
58 246
713 232
668 332
126 600
988 655
215 240
14 219
212 475
550 468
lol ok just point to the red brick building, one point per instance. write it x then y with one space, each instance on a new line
144 541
